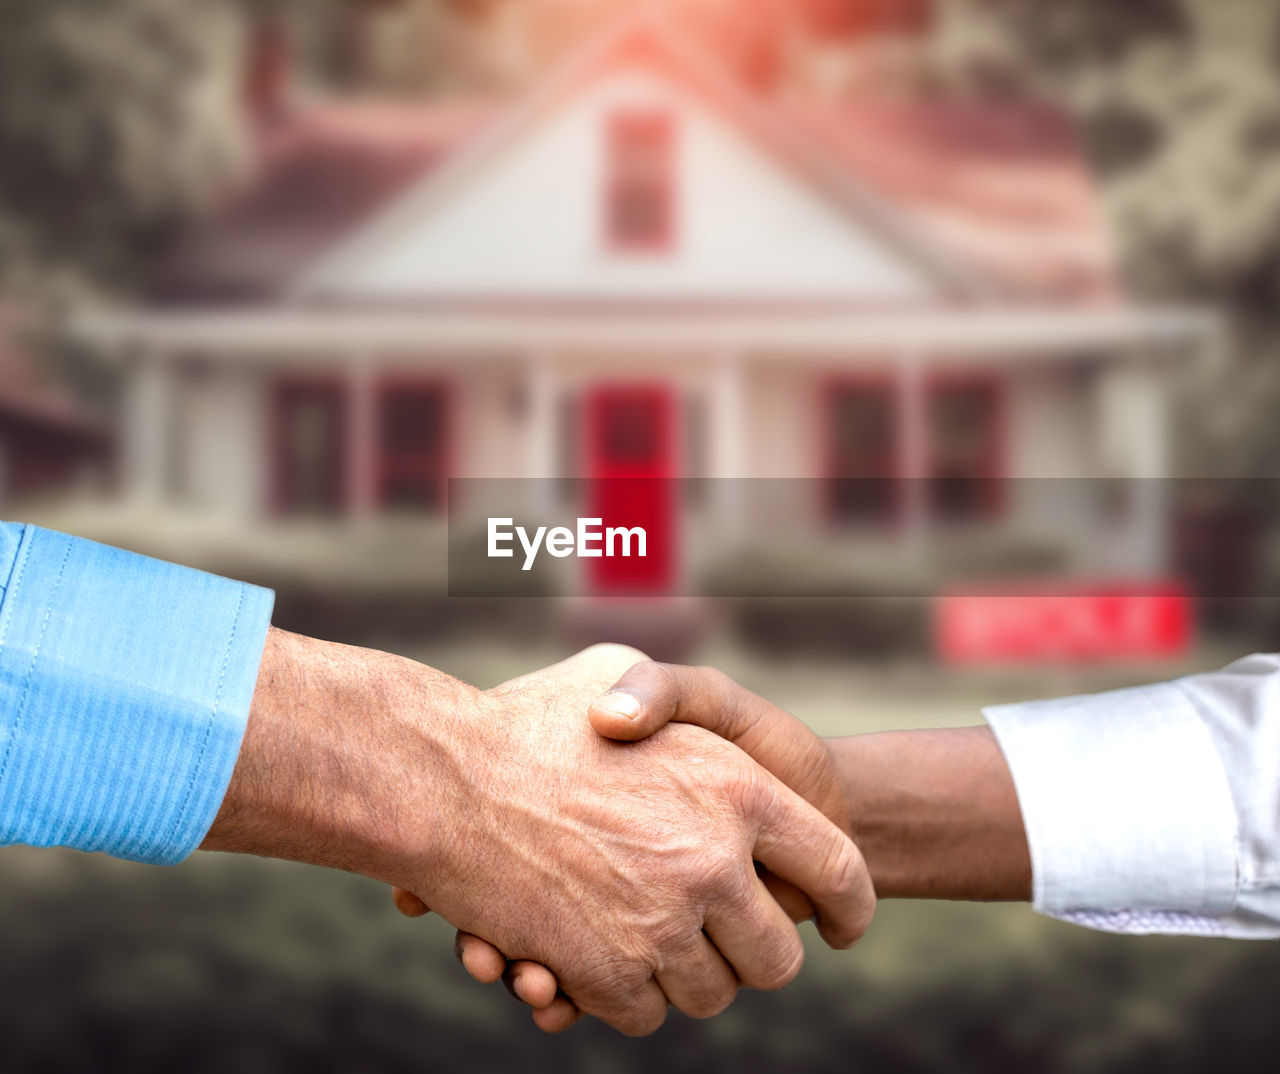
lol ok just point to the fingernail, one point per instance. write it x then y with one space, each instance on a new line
619 704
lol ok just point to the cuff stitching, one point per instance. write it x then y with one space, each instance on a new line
21 710
213 716
15 564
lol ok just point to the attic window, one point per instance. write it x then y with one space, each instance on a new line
639 204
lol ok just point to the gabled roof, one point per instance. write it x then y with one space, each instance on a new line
990 200
321 172
1005 185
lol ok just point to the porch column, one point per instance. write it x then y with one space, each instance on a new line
362 451
148 403
912 428
1149 447
728 431
541 462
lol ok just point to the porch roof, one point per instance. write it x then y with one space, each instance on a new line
308 334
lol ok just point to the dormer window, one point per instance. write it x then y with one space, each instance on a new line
639 209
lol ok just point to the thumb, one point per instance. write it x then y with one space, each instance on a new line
644 700
651 695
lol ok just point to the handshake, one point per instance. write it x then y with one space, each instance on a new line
611 836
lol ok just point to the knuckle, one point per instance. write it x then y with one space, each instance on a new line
634 1008
613 982
745 785
672 937
846 878
842 872
781 969
710 1003
660 678
723 875
643 1022
861 922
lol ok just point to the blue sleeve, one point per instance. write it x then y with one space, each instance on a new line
125 686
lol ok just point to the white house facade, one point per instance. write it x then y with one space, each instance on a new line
641 271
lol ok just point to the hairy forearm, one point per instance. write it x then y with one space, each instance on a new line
323 774
339 758
936 815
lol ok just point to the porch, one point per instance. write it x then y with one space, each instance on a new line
758 393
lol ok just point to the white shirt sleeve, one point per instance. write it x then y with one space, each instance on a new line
1157 808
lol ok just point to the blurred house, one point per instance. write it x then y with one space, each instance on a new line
643 270
49 443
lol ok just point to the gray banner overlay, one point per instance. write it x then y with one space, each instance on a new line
862 537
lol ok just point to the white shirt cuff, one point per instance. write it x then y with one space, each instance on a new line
1129 816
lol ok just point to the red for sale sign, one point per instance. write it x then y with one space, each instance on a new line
1095 622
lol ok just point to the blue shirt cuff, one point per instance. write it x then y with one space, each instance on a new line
125 686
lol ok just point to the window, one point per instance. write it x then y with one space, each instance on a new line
964 448
640 181
310 423
863 452
412 442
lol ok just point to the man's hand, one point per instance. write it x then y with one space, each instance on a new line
625 869
935 812
649 695
645 699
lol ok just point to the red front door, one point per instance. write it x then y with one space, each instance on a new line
631 461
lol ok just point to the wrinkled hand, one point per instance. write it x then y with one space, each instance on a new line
628 868
644 700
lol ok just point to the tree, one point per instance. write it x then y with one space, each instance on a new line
116 120
1179 101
